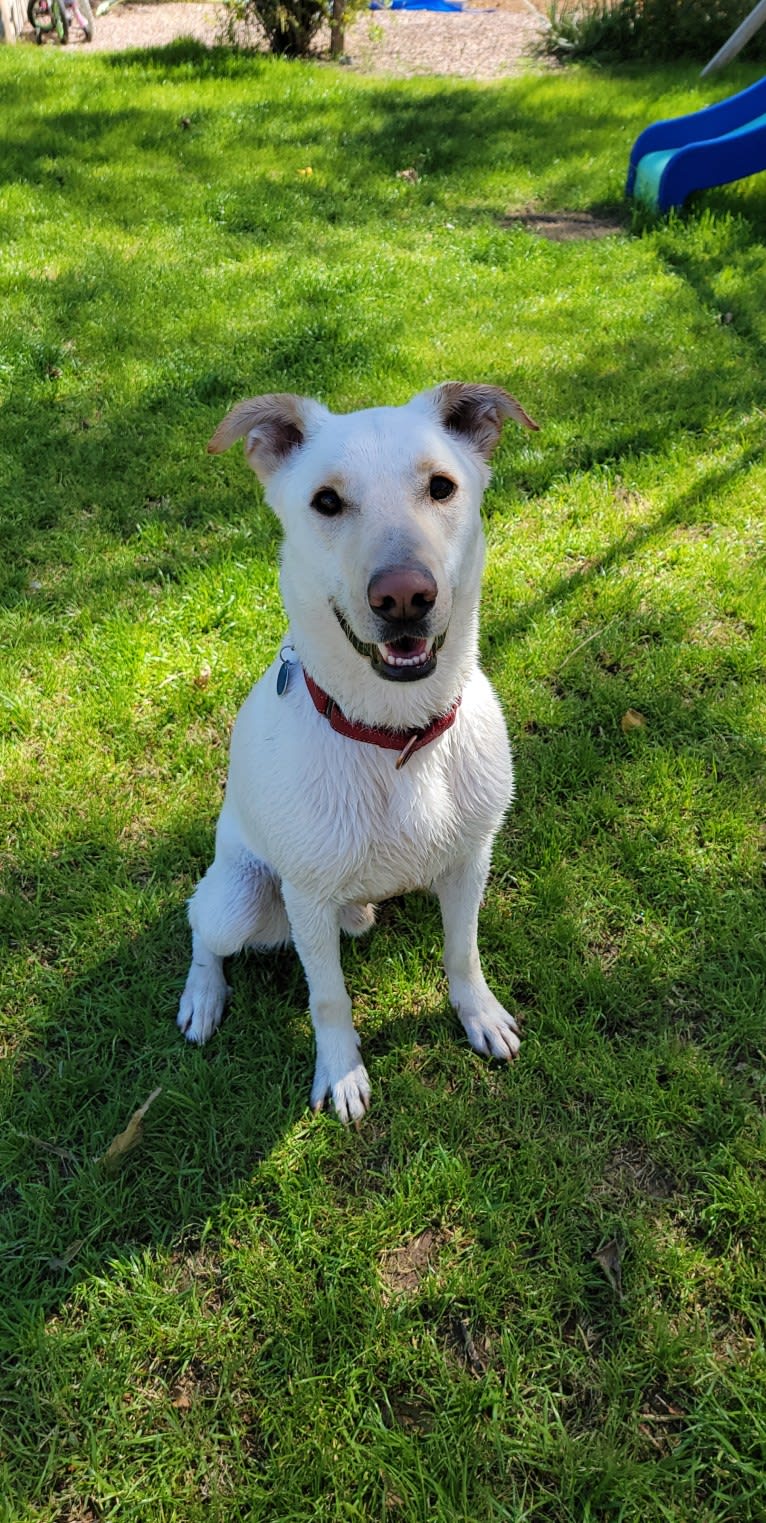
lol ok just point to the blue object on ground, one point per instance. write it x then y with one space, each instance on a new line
416 5
714 146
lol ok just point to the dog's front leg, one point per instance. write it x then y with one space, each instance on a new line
340 1071
489 1028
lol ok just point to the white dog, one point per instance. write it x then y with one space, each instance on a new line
372 757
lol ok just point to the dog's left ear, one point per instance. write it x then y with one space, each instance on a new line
476 413
272 427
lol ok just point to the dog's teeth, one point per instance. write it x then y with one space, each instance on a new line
391 659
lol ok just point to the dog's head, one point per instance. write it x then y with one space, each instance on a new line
383 547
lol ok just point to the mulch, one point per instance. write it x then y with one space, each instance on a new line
473 44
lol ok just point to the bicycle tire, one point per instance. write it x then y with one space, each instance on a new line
60 21
40 25
86 11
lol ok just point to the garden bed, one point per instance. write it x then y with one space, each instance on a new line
476 44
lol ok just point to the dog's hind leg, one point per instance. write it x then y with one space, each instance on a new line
238 903
205 995
357 919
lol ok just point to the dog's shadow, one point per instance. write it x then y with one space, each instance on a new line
94 1052
106 1041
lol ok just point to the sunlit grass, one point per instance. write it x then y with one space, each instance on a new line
216 1330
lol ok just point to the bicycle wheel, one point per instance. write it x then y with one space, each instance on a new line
60 20
41 23
86 14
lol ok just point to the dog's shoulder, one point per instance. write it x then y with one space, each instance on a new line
481 769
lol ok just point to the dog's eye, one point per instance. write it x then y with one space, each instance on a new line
327 501
441 488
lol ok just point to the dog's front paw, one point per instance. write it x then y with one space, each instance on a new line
489 1028
202 1003
341 1074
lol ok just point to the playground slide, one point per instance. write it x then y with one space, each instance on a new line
721 143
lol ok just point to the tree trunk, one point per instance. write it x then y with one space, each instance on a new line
337 29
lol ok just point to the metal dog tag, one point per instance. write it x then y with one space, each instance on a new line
283 675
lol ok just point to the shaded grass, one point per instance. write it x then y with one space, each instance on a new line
209 1333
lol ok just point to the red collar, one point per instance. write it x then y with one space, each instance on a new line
403 741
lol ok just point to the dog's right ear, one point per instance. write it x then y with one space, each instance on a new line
272 427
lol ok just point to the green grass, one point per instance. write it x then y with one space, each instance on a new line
246 1320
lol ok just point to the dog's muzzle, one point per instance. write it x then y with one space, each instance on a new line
407 658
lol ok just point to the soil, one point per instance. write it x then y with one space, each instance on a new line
482 43
563 227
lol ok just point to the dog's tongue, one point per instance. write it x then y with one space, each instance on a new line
407 647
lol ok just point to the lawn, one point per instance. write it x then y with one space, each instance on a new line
526 1294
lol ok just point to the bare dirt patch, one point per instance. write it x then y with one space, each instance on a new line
402 1269
563 227
473 44
631 1171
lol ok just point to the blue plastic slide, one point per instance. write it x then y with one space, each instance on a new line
416 5
710 147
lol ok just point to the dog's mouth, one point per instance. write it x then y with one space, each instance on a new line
406 659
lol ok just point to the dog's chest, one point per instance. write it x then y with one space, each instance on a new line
336 818
365 831
402 833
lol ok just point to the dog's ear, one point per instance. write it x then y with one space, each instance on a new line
272 427
477 413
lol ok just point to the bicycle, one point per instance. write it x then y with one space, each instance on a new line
57 17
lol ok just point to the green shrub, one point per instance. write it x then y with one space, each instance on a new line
290 25
647 29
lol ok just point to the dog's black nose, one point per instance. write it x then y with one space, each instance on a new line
402 594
